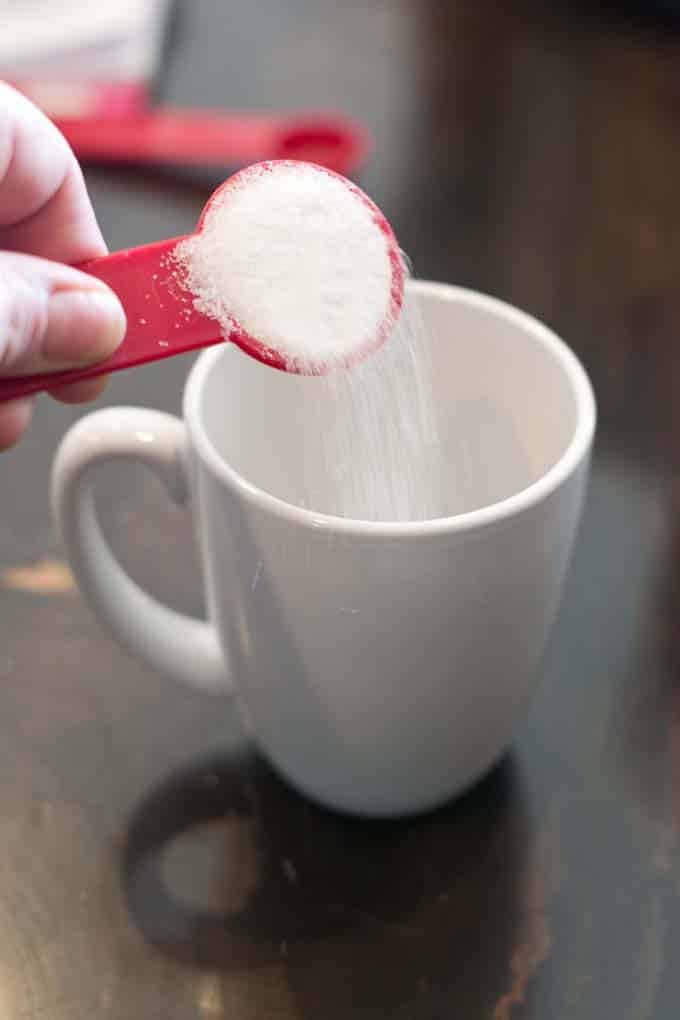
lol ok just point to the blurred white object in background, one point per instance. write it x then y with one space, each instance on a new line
76 57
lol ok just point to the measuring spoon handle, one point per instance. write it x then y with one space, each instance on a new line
161 318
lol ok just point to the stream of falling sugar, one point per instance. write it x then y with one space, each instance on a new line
380 430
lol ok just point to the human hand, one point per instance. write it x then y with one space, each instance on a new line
51 316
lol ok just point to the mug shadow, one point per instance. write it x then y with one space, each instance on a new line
226 868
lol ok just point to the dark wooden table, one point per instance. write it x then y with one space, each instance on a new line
150 867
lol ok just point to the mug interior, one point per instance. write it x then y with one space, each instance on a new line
509 399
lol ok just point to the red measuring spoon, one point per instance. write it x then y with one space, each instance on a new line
205 138
162 320
116 122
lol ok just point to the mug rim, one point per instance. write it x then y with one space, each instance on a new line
492 513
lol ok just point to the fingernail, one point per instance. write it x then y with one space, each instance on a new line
83 326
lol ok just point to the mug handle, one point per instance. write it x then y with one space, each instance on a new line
186 649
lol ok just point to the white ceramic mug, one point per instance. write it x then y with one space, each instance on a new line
381 668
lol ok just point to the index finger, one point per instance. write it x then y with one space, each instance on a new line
44 206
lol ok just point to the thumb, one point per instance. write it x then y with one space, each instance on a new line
53 317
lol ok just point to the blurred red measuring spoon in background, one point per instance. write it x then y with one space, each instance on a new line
176 136
108 122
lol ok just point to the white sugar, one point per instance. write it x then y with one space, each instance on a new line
298 260
379 432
